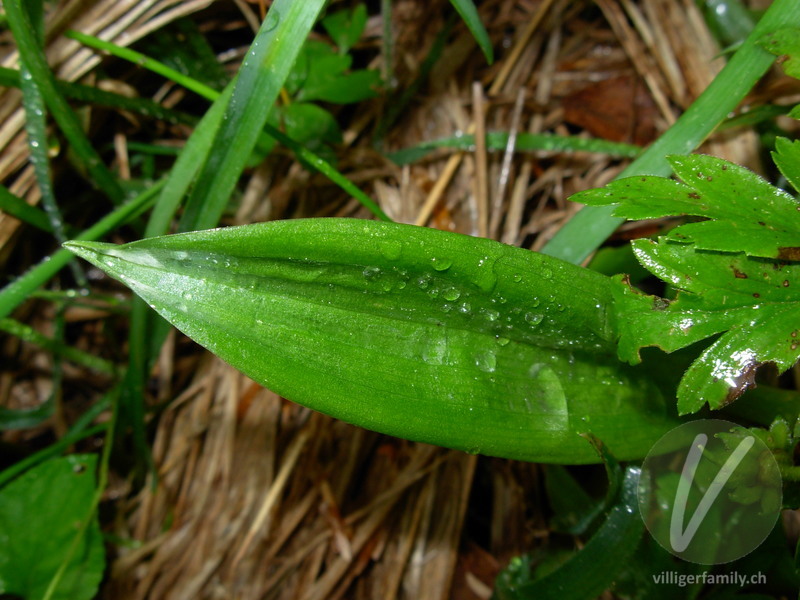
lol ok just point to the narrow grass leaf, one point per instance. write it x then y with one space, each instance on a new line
81 429
34 60
91 95
525 142
468 12
20 289
423 334
18 208
259 81
197 149
57 347
593 569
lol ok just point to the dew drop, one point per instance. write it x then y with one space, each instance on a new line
391 249
491 314
465 308
371 272
273 19
441 264
434 352
451 294
516 278
486 361
502 341
533 318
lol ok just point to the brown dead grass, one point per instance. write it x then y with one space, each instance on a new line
259 498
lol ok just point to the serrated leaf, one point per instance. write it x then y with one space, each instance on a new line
785 42
432 336
754 302
745 212
40 513
787 158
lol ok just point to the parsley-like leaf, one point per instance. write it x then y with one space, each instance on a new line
753 302
744 212
736 272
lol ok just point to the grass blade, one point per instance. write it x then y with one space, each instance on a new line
19 290
57 347
258 84
196 151
18 208
468 12
34 60
526 142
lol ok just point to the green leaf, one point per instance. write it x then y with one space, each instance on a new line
587 230
22 419
432 336
468 12
593 569
327 79
745 212
257 85
787 158
755 302
308 123
346 26
785 42
525 142
40 515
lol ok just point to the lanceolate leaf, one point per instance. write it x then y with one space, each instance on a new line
432 336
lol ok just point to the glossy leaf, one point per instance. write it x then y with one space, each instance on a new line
754 302
40 515
432 336
745 213
785 42
787 159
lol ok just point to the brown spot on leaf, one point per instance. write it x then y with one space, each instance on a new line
738 274
785 283
794 333
789 253
724 167
745 381
709 178
694 195
756 295
660 303
762 223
